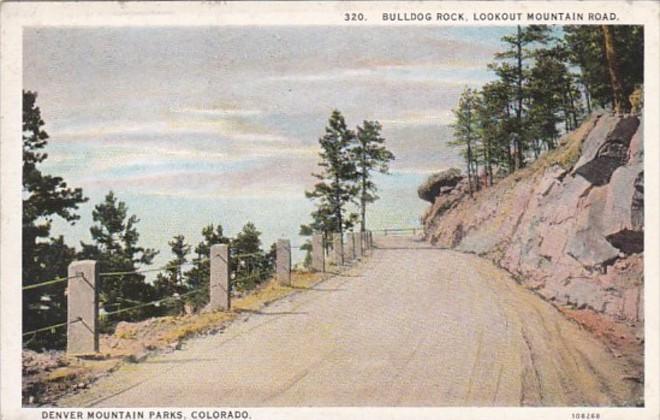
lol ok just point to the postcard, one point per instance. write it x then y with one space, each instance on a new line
321 210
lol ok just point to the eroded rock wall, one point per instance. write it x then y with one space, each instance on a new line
570 226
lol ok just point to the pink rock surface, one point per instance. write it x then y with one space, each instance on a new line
560 234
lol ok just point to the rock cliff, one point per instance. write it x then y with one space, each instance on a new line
570 226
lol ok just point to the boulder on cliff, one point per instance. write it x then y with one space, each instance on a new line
438 183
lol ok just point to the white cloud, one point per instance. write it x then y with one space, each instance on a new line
218 112
440 73
429 117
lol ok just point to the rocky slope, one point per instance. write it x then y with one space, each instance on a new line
570 226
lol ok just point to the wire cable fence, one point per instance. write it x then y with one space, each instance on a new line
154 302
49 282
53 327
227 270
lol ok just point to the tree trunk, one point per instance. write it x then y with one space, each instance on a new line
469 167
519 95
587 97
340 229
620 103
363 202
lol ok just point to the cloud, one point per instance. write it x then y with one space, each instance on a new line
218 112
286 175
430 117
439 73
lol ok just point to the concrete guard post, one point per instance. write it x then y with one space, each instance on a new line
283 261
338 248
219 287
359 246
82 308
349 248
318 253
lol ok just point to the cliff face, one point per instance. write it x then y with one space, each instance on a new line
570 226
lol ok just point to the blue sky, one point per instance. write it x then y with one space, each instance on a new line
191 126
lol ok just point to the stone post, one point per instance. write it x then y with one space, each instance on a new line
283 261
338 249
82 308
358 244
318 253
349 248
219 287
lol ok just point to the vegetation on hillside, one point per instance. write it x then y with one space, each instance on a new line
548 82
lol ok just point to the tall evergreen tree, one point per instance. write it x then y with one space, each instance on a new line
337 180
465 135
518 54
612 55
44 258
587 49
370 154
115 247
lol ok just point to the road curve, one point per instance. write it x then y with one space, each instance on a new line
410 326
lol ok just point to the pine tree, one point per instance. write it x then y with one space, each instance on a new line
619 98
337 181
587 50
172 281
249 264
465 135
115 247
198 275
519 53
44 258
370 155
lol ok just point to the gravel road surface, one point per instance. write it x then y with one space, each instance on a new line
409 326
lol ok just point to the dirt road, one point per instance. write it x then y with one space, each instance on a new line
411 326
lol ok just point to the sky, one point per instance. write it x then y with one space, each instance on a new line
192 126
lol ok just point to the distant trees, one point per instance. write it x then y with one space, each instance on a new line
545 85
348 160
43 257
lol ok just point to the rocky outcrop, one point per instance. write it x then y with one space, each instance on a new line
570 226
439 183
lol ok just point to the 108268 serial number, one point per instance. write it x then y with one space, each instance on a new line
585 416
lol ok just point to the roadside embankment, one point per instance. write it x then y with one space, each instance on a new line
570 227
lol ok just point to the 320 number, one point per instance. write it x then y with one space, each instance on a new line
354 17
